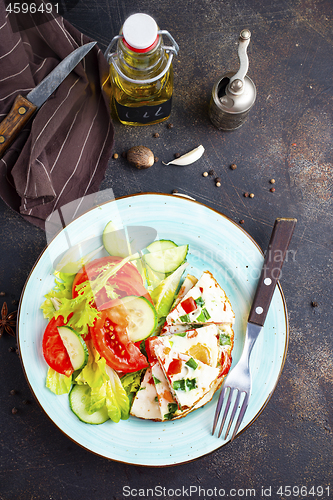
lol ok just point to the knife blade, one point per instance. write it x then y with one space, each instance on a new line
24 107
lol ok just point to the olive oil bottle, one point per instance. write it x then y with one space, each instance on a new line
141 72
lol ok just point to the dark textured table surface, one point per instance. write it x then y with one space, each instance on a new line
288 137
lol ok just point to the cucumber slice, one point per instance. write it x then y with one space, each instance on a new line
166 261
142 317
115 241
164 294
159 245
77 403
153 278
75 346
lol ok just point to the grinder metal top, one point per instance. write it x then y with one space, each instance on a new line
235 93
240 92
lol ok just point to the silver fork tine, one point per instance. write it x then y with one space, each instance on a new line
241 415
232 416
218 408
226 410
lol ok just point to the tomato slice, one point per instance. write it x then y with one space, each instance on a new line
189 305
54 351
124 289
111 340
226 363
127 281
149 345
91 270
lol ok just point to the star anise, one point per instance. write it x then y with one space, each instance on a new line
7 321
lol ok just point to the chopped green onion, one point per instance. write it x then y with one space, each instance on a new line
224 339
185 385
181 334
156 381
201 318
185 318
191 384
200 302
192 363
206 313
172 407
179 385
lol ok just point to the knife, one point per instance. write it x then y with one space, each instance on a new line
24 107
270 273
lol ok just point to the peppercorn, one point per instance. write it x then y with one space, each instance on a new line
246 195
211 172
170 125
272 181
218 184
314 303
218 179
177 155
175 191
272 190
14 410
205 174
124 154
241 221
12 392
156 135
2 294
156 159
115 156
251 195
233 166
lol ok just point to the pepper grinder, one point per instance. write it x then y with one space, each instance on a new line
235 93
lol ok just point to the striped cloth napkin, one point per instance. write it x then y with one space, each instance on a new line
62 154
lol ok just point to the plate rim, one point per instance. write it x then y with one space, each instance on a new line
279 287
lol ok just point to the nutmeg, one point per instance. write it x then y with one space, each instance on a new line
140 157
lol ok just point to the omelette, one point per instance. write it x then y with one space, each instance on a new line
190 359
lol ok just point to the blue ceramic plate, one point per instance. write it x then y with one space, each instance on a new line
216 244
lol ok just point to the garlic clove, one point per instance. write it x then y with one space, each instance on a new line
188 158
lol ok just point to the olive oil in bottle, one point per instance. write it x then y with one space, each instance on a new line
141 72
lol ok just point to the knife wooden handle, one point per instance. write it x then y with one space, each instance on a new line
278 245
18 116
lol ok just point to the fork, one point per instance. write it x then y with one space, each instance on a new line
238 382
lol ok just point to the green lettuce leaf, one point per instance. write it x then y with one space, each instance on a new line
61 290
117 401
93 373
131 383
58 383
106 387
97 399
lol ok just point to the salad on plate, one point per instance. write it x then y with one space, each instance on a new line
129 334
